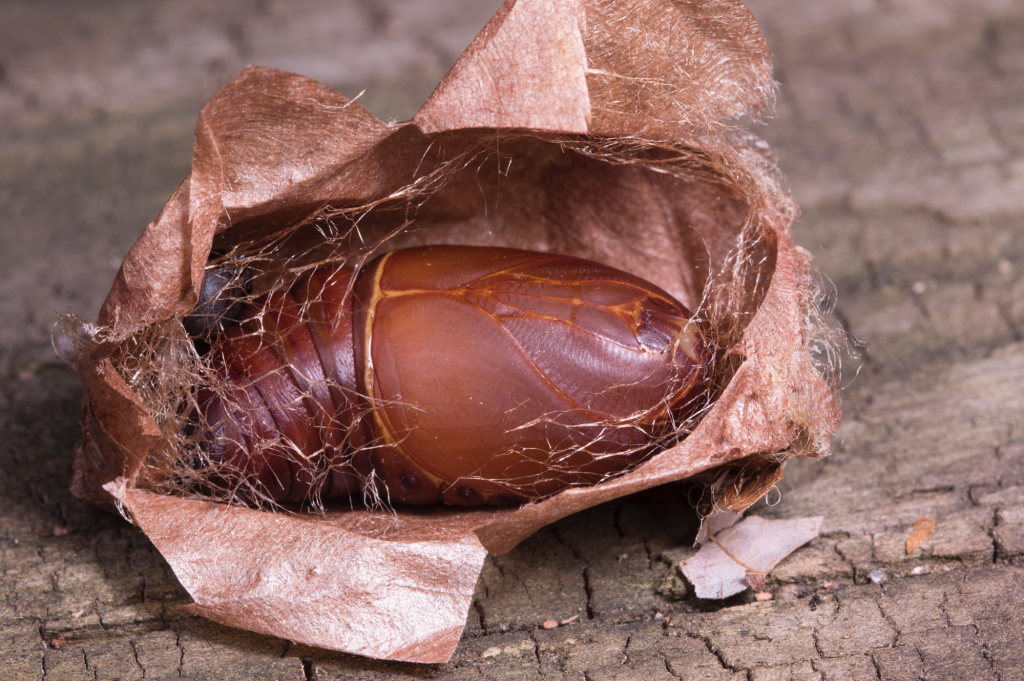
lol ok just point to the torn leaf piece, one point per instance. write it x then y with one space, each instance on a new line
719 520
923 529
722 566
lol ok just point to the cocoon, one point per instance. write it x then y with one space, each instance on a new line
594 129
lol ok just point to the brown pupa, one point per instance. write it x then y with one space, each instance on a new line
459 374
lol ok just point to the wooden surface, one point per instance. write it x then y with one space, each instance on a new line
901 126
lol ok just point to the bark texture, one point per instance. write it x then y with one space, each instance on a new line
902 129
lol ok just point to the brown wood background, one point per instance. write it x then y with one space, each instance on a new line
901 126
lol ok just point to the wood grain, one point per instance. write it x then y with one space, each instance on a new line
902 131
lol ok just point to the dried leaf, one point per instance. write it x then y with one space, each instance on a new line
734 559
719 520
923 529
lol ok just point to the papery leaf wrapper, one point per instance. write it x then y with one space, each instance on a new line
614 115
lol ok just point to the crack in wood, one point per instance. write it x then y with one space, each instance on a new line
135 656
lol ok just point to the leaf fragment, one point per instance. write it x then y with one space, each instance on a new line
740 556
923 529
